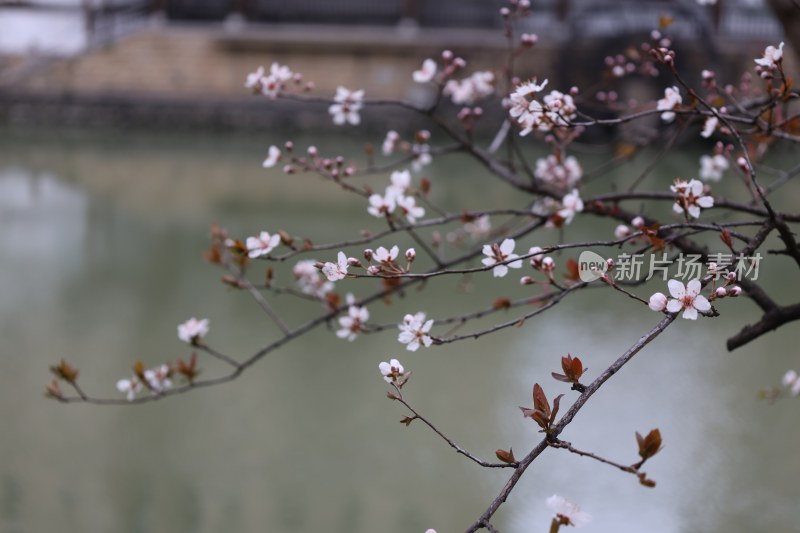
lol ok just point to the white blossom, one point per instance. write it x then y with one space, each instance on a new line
469 90
410 208
131 387
572 204
672 98
709 127
390 142
496 254
772 56
273 157
564 173
192 330
792 381
261 245
478 228
253 80
687 298
347 106
336 271
380 206
391 371
309 279
713 167
387 257
691 197
158 378
352 323
401 181
414 331
426 73
564 509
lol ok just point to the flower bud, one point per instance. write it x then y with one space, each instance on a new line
658 302
411 254
622 231
353 262
526 280
721 292
373 269
368 253
734 291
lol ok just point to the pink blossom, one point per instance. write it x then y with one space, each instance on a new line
192 330
347 106
414 331
380 206
572 204
387 257
410 208
567 512
336 271
353 322
262 245
713 167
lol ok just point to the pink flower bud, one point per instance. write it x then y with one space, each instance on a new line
722 292
734 291
353 262
411 254
368 253
731 276
526 280
622 231
373 270
312 151
637 222
548 264
658 302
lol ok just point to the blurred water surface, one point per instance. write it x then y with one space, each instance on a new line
102 238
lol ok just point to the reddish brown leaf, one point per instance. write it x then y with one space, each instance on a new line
649 445
65 371
573 272
540 402
501 303
506 456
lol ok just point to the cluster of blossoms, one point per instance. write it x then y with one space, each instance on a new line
262 245
690 198
419 150
470 90
623 231
414 331
792 382
559 213
567 513
309 279
556 109
353 322
395 197
672 99
347 106
539 262
686 297
386 260
156 379
564 173
713 167
271 85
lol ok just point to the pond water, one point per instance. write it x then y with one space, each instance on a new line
102 236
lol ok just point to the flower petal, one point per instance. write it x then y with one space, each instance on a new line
701 304
676 289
